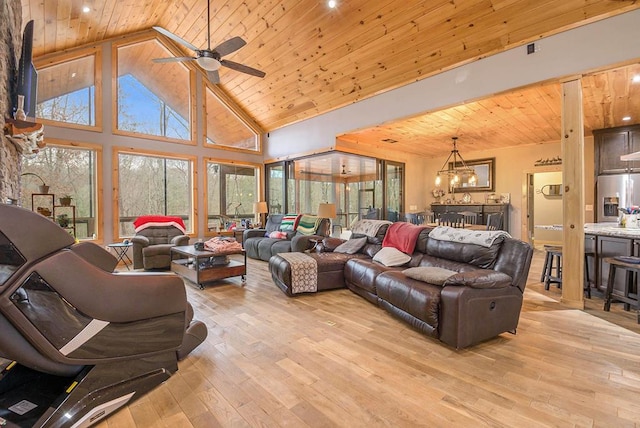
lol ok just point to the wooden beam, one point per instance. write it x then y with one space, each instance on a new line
573 195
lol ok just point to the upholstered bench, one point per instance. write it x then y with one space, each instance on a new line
328 271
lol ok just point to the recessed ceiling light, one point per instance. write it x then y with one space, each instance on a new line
86 9
73 74
636 78
626 118
332 3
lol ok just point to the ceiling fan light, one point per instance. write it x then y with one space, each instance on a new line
209 64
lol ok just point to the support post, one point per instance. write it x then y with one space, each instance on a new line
573 194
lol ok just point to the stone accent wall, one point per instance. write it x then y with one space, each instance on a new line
10 47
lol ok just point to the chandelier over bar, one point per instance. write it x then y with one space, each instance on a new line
454 168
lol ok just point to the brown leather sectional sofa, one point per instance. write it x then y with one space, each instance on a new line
478 303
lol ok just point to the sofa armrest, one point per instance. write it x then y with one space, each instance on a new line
481 278
301 243
180 240
140 240
329 244
253 233
471 315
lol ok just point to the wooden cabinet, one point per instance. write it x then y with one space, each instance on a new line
612 143
483 210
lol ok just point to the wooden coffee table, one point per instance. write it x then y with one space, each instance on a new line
198 267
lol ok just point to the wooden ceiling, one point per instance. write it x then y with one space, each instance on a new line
318 59
525 116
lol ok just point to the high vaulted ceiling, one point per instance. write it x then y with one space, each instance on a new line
317 59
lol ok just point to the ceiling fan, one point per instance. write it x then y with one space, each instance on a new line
210 59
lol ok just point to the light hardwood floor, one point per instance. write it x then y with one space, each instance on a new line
333 359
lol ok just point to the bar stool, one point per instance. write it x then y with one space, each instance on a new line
553 254
631 264
588 282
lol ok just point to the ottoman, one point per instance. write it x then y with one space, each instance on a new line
329 271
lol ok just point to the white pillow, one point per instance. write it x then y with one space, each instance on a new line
390 256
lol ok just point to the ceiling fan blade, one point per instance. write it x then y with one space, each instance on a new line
213 76
242 68
175 38
174 59
229 46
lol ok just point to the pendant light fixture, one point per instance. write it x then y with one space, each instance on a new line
455 168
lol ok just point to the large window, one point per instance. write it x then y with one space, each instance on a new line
153 184
359 186
226 129
152 98
67 170
67 91
232 188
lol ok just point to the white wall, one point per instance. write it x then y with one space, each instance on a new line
547 210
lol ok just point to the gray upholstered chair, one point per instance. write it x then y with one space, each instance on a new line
152 246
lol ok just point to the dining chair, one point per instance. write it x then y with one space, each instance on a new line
411 218
451 219
469 217
494 221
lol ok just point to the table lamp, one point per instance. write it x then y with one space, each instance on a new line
327 210
260 208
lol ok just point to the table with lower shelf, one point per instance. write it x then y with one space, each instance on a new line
201 267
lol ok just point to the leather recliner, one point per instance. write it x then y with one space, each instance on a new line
85 340
152 246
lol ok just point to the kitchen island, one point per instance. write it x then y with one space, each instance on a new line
609 240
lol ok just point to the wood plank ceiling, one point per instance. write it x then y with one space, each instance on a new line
318 59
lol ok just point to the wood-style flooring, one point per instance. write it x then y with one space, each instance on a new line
333 359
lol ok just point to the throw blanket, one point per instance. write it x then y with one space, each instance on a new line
220 244
484 238
145 221
308 224
368 227
403 236
304 272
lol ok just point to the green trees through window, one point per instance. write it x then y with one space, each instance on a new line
153 185
67 171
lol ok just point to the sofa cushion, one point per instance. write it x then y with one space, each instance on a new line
432 275
351 246
390 256
475 255
273 223
329 244
481 278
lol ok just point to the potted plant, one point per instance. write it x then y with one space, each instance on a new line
63 220
65 200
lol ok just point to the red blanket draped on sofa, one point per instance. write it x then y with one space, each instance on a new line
402 236
145 221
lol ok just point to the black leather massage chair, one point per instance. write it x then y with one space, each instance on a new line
79 340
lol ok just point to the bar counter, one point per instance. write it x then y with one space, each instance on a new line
604 240
600 229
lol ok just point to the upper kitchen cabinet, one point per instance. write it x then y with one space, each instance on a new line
612 143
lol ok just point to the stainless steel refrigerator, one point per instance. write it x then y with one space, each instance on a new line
616 191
